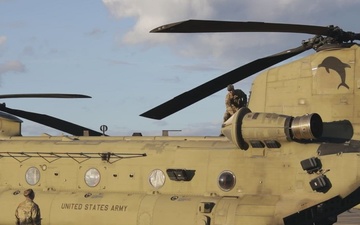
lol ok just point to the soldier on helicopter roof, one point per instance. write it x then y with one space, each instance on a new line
234 100
28 212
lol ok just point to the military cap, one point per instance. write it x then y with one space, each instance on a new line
28 192
230 87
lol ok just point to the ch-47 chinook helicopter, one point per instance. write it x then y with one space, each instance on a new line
290 158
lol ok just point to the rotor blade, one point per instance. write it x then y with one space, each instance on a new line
200 26
46 95
50 121
190 97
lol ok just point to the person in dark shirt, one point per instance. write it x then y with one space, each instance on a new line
234 100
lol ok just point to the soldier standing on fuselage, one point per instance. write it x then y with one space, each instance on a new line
234 100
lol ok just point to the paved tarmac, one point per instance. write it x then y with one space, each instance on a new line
350 217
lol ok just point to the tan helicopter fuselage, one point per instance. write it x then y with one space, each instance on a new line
282 176
270 183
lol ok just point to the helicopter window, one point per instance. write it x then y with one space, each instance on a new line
157 178
92 177
32 176
180 174
226 180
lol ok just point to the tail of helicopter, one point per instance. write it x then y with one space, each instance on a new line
326 82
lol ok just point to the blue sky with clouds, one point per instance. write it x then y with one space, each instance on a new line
104 49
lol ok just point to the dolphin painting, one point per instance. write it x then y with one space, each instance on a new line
336 65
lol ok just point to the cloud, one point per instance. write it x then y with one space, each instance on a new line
28 51
2 40
118 62
95 32
149 14
12 66
228 48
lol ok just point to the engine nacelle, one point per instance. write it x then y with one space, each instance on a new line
268 129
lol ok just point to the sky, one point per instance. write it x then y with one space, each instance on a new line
104 49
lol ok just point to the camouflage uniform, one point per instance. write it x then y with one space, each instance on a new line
234 100
28 212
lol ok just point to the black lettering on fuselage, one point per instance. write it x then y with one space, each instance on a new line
121 208
75 206
93 207
96 207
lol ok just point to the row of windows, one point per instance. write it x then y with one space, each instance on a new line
226 179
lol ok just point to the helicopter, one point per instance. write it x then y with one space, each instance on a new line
291 157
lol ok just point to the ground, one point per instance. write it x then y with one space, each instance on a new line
350 217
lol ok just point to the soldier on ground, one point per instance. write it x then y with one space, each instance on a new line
234 100
28 212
